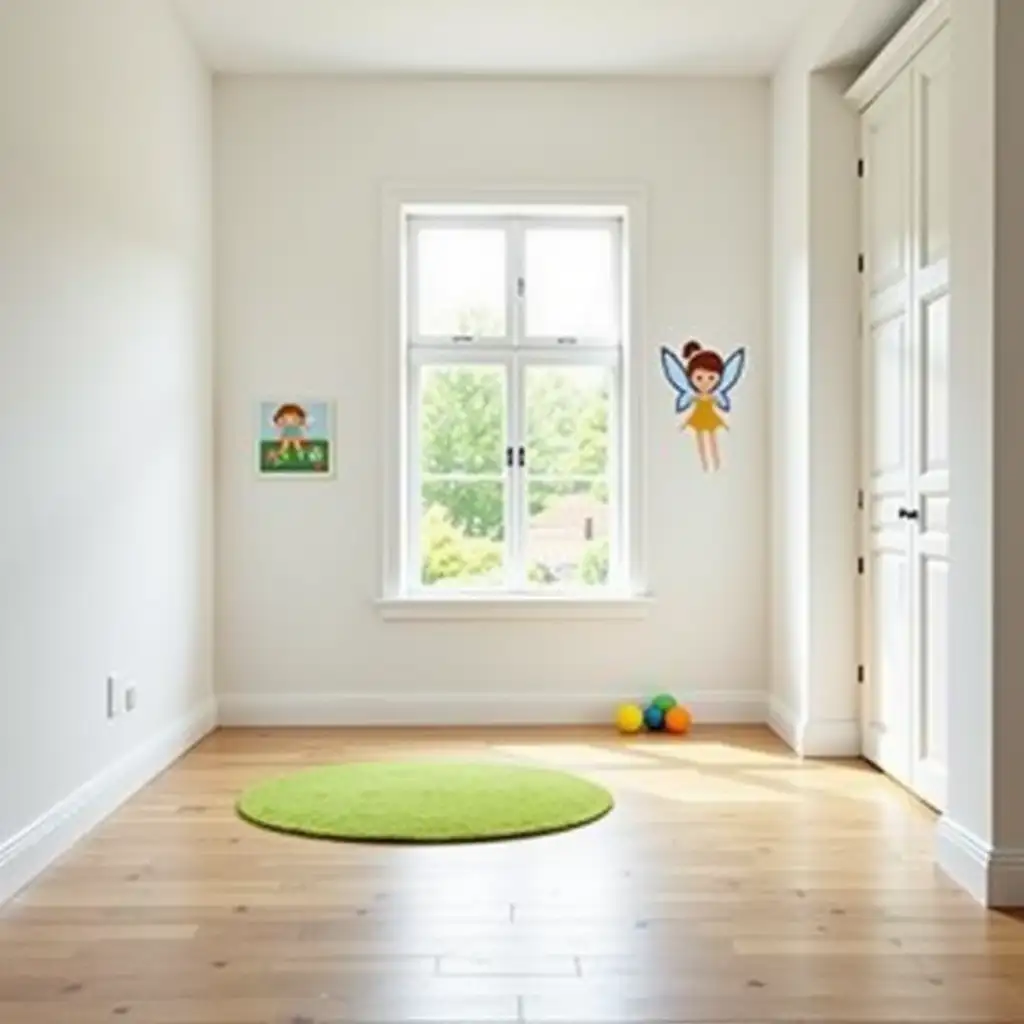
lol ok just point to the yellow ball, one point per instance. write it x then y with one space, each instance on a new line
629 718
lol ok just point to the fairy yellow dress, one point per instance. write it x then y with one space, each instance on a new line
705 418
704 399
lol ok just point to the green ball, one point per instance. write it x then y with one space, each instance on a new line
664 702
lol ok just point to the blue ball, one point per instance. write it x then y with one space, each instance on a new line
654 718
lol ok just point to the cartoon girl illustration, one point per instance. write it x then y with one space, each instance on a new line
702 381
291 422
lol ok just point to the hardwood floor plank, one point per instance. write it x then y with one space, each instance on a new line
732 884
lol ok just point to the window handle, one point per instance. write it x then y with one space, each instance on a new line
908 513
462 339
522 456
567 340
509 457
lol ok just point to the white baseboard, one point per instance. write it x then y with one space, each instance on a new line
32 850
783 723
830 737
816 737
994 877
1006 879
412 709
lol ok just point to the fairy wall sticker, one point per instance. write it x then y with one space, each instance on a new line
295 439
703 381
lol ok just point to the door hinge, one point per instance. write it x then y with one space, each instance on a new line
860 566
860 168
860 499
860 263
521 287
860 673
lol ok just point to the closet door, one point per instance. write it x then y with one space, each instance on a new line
930 433
887 391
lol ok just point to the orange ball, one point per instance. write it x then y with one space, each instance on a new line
678 720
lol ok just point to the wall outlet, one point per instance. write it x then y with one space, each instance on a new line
114 690
131 697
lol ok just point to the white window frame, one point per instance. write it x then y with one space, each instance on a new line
409 210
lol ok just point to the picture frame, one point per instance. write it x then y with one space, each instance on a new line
295 439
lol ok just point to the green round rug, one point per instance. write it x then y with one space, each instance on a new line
432 802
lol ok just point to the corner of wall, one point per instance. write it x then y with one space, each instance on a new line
815 416
31 851
994 876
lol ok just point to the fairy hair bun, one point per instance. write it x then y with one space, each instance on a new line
691 348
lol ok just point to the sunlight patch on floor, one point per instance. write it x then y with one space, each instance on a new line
716 754
682 786
850 784
568 755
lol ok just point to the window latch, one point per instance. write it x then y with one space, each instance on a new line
566 340
509 457
462 339
522 456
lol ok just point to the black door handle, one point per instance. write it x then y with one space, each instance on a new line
909 513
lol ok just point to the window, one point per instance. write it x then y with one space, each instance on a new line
514 456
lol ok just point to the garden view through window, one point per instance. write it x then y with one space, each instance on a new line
514 343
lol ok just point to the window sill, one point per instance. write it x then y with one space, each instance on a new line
509 607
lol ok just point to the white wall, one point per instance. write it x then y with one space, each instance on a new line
790 407
106 514
834 394
300 170
981 837
814 406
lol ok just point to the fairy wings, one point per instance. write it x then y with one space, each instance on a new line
686 394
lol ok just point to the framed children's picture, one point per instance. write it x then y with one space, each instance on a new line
295 439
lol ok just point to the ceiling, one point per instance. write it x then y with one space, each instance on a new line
540 37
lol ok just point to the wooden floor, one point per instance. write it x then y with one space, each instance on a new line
731 883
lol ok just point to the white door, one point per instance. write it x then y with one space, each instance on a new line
885 707
906 420
930 431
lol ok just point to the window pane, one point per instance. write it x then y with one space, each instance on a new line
567 413
567 536
462 533
461 282
567 419
569 283
462 475
462 419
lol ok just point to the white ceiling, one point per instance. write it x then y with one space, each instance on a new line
563 37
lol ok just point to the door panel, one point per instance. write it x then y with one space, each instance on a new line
887 585
931 96
906 425
930 403
889 469
887 189
934 454
930 540
887 715
931 733
886 720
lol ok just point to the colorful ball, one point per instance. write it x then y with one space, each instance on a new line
664 701
654 718
629 718
678 720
